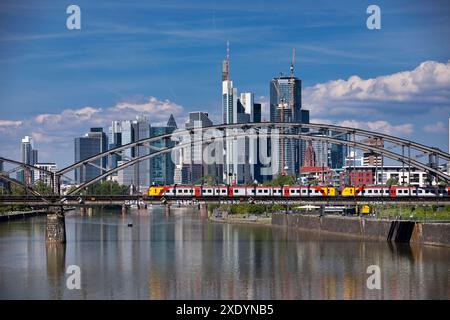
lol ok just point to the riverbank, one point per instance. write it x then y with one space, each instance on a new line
432 233
21 214
252 220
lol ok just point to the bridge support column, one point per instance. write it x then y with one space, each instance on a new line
203 208
167 210
83 210
55 229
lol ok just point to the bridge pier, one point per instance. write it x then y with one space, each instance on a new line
83 210
55 229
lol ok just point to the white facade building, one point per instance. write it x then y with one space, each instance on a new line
42 176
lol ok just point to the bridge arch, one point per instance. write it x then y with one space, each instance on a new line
273 125
301 136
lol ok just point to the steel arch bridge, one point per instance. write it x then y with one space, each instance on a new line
405 151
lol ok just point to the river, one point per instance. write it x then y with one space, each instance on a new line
183 256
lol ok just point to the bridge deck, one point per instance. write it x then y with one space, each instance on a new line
130 199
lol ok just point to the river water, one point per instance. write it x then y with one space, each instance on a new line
185 257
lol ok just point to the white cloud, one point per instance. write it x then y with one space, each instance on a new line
81 119
438 127
53 133
10 123
429 82
376 126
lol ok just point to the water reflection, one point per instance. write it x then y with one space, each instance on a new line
182 256
56 266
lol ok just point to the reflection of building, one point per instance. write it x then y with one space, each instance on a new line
42 176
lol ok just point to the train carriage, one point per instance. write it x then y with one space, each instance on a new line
297 191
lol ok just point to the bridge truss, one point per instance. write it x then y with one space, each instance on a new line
409 153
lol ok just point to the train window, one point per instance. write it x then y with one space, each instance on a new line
266 191
369 191
259 191
303 190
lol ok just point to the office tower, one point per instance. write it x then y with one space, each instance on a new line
193 164
161 166
115 141
171 123
328 154
237 167
141 130
92 143
372 158
42 176
286 106
29 156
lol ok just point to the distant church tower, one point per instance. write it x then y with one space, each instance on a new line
310 156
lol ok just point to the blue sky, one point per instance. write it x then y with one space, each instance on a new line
158 57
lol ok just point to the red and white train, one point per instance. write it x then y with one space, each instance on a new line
297 191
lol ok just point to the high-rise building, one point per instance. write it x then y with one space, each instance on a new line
194 166
328 154
161 166
372 158
141 130
115 141
29 156
92 143
240 151
286 106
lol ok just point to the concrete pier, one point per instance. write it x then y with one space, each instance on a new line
55 229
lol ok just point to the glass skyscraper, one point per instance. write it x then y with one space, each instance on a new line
90 144
286 106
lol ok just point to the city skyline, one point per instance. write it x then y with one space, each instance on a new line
338 84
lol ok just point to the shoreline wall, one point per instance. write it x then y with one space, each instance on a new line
434 233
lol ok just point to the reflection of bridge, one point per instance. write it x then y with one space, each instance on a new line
409 153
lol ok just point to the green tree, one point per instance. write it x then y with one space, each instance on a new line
281 181
41 188
392 181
